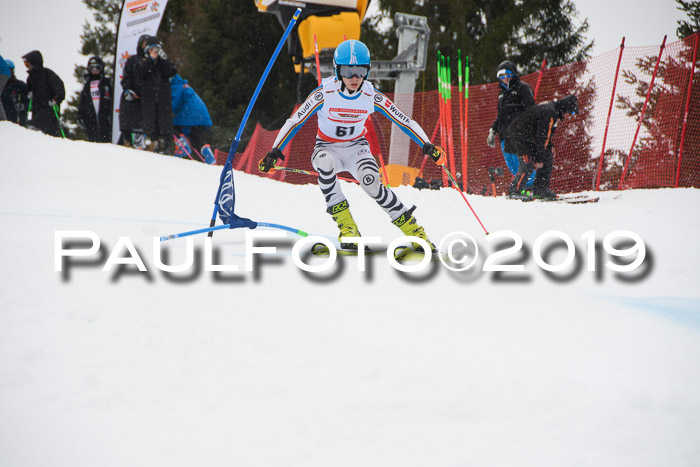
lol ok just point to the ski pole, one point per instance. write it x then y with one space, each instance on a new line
443 117
201 157
461 110
184 149
450 134
309 172
456 187
318 65
226 226
465 160
298 171
60 127
241 127
199 154
179 144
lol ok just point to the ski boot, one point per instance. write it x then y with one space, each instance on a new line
410 228
522 195
544 193
341 215
182 147
208 154
138 140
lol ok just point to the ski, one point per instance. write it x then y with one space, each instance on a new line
406 253
572 195
320 249
582 199
402 253
523 198
570 200
579 200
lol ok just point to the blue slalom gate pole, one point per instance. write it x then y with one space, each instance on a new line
193 232
241 127
283 227
226 226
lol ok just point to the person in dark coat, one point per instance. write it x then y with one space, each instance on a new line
130 123
95 103
531 136
513 99
14 97
154 75
46 92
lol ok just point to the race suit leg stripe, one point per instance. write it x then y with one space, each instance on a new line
367 172
324 162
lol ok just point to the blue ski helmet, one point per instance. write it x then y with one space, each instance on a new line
10 64
351 52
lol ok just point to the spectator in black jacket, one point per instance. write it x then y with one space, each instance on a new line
513 99
130 122
14 98
46 92
95 103
531 136
154 75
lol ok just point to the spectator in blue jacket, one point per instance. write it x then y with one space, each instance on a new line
191 116
5 74
14 97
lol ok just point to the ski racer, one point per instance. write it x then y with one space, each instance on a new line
343 103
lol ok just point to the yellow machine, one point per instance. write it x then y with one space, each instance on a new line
332 21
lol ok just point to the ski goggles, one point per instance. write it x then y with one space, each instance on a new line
504 74
349 71
95 67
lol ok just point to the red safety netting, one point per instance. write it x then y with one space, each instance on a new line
664 147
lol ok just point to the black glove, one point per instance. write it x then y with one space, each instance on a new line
52 103
267 163
436 153
19 107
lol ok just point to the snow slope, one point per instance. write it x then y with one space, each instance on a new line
343 368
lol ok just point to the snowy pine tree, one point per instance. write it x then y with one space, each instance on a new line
488 31
98 39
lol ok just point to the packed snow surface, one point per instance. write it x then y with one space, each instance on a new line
277 366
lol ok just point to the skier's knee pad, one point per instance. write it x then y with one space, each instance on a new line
323 162
370 182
